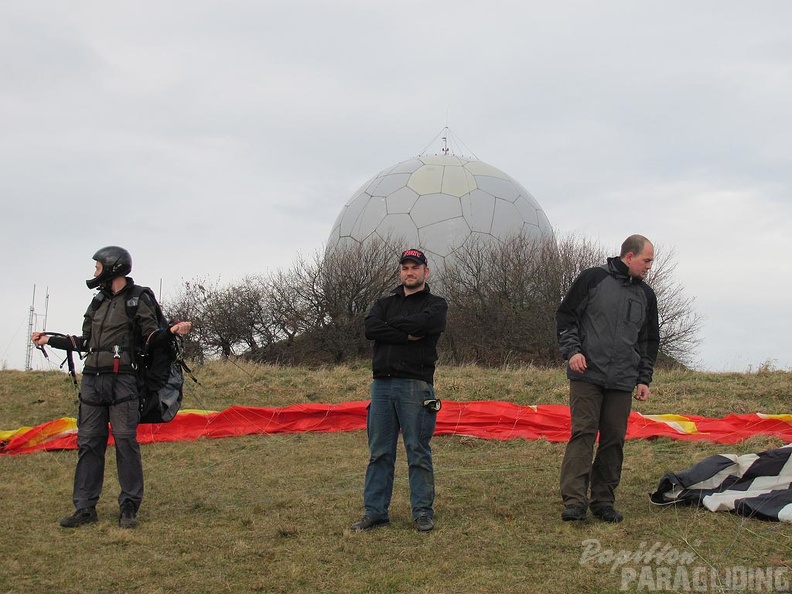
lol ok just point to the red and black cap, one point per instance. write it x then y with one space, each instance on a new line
414 256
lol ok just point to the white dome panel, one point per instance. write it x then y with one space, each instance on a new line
427 180
368 220
481 168
402 200
435 207
399 226
442 160
478 207
390 183
502 188
351 212
457 181
406 166
506 219
443 237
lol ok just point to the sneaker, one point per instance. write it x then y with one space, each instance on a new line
84 515
367 523
128 516
573 513
608 514
424 523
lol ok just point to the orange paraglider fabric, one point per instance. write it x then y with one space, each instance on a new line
484 419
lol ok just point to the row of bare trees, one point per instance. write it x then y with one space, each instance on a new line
502 300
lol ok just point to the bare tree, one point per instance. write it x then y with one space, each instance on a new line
316 307
351 279
680 324
502 300
576 253
184 307
503 296
220 322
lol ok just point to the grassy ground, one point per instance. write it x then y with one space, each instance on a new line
271 513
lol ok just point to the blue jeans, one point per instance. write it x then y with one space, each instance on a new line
397 404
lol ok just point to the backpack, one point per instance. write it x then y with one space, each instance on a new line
160 369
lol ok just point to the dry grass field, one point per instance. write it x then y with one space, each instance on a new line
271 513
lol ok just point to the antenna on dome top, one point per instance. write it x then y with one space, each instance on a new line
448 140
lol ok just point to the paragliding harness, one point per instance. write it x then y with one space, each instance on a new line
160 369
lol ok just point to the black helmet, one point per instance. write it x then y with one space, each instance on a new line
115 261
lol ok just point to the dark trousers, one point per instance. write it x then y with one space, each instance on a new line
108 399
594 409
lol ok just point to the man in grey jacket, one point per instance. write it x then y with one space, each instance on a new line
608 331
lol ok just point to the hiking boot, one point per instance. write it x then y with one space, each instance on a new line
84 515
573 513
128 516
367 523
424 523
608 514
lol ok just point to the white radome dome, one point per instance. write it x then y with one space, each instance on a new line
437 203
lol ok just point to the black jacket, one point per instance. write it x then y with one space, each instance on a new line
395 317
611 318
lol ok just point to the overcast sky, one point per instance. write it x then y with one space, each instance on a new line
220 139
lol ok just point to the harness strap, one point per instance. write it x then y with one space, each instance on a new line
108 404
116 349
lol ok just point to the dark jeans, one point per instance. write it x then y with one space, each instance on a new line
97 408
594 409
397 404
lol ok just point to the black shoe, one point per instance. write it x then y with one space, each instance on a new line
128 516
573 513
424 523
608 514
85 515
367 523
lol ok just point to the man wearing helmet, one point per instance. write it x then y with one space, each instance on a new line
109 391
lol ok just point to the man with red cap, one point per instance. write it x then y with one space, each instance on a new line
405 327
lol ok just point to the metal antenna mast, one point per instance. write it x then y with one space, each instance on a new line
32 325
46 310
28 344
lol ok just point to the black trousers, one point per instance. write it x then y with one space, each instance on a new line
107 399
594 410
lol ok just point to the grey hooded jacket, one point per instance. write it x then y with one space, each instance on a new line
611 318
